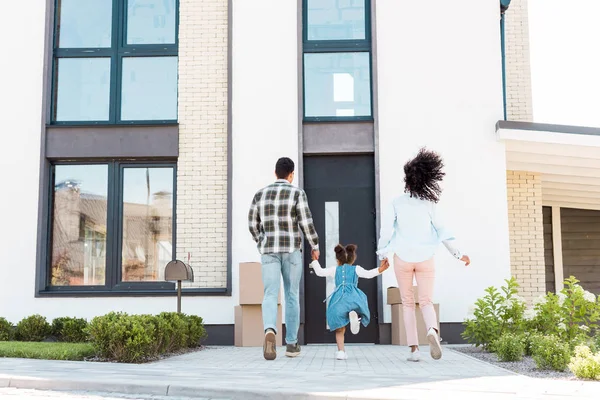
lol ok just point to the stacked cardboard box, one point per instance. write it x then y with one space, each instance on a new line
249 330
398 329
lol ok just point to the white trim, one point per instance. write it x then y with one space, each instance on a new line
557 249
548 137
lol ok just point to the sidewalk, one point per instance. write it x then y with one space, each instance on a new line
372 372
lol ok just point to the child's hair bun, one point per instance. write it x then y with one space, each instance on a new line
351 248
339 249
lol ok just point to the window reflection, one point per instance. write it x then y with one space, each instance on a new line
151 21
336 19
79 225
84 23
147 223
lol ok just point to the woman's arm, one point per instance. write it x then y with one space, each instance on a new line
446 237
320 271
388 218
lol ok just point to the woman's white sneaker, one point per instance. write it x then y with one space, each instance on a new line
415 356
435 348
341 355
354 322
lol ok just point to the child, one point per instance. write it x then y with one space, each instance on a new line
347 302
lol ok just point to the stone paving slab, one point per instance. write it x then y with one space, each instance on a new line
372 372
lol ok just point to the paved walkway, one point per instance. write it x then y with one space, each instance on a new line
372 372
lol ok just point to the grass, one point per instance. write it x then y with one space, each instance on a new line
47 350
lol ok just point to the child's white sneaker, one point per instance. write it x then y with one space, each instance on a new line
435 348
354 323
415 356
341 355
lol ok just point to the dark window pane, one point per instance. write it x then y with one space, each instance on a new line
151 22
147 223
149 90
336 20
83 89
84 23
79 225
337 85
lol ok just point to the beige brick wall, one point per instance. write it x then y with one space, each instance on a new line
526 232
518 67
202 165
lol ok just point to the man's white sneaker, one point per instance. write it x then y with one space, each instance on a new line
354 323
435 348
414 356
341 355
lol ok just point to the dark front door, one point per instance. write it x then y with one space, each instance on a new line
341 194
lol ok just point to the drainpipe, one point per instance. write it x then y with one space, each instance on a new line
503 7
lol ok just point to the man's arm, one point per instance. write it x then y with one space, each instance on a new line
305 221
254 220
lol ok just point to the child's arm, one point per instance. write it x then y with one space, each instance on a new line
320 271
371 273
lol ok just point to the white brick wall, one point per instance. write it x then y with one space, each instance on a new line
526 232
518 67
202 166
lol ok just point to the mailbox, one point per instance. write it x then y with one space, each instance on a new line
178 271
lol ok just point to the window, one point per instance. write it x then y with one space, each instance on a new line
111 226
115 62
337 60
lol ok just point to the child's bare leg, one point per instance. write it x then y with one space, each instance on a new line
339 338
414 348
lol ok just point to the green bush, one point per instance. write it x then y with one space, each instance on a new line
33 329
510 347
6 330
585 364
196 332
495 314
529 340
72 330
550 353
125 338
172 331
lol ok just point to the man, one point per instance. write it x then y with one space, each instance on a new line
277 214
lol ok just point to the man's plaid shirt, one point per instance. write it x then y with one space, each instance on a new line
277 214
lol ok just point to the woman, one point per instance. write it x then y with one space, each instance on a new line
412 231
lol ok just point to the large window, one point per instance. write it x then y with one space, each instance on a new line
115 62
337 60
111 226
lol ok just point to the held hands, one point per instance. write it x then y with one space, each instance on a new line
315 255
383 265
466 260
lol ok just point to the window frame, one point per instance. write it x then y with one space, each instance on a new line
114 234
337 46
118 50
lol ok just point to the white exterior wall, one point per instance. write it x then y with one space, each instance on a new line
439 73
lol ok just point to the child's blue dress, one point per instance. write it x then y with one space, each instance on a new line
345 298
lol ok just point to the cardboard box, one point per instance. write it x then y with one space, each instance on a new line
249 331
393 295
251 285
398 330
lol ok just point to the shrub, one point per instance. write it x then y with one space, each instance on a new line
125 338
550 353
196 330
172 331
495 314
510 347
6 330
72 330
33 329
585 364
529 340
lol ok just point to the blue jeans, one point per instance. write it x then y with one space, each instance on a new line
288 266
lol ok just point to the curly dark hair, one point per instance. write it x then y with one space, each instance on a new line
345 255
422 175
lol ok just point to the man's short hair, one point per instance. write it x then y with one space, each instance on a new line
284 167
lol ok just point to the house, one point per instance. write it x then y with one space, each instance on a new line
137 131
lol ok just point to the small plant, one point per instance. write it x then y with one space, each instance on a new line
196 331
496 313
72 330
6 330
33 329
172 330
550 353
529 340
510 347
585 364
